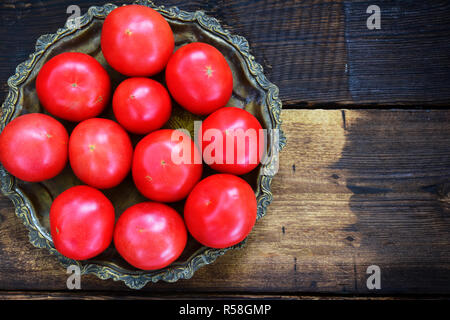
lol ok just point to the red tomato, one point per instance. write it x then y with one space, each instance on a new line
100 152
232 141
220 211
199 78
158 173
81 222
33 147
141 105
73 86
150 235
136 40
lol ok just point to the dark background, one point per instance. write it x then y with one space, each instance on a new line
319 53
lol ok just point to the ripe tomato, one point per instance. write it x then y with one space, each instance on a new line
150 235
199 78
33 147
81 222
136 40
141 105
232 141
100 152
73 86
157 171
220 211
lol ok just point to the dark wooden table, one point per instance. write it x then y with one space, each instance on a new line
364 178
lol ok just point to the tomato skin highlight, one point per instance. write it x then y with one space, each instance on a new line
247 151
100 152
156 175
81 222
136 40
199 78
141 105
73 86
33 147
220 211
150 235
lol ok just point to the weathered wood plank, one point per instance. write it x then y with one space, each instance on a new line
367 190
406 60
216 297
319 53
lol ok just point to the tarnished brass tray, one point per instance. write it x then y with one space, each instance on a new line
251 91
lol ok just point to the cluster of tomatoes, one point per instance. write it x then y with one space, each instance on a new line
220 210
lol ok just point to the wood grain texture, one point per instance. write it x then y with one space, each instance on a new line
161 298
354 189
406 60
319 53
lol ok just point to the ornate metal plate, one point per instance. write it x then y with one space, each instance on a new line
251 91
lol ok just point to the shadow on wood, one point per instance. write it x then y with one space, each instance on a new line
389 162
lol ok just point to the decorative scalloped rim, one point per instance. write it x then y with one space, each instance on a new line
23 206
